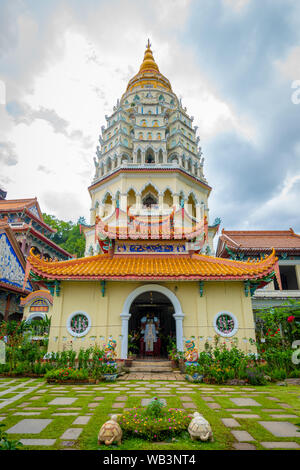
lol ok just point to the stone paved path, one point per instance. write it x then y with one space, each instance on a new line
49 416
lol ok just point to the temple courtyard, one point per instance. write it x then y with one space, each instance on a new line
44 416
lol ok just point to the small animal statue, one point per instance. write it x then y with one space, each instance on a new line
200 429
110 432
110 353
191 353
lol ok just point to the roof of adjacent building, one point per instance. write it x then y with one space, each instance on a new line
12 263
17 205
37 294
257 241
154 267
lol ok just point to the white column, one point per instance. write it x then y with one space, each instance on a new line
138 203
179 330
124 332
123 201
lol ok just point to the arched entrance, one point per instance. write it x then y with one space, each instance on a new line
130 307
156 307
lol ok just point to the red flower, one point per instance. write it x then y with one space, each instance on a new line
291 319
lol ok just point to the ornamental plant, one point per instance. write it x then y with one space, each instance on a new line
5 443
67 374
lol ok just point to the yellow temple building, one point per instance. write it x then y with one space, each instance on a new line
149 246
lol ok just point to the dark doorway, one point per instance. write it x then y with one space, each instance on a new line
152 305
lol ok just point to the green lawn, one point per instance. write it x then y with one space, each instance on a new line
219 395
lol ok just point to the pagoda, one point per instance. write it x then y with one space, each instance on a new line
149 272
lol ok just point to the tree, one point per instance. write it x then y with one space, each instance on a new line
67 234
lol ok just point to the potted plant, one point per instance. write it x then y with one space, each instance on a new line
109 372
133 348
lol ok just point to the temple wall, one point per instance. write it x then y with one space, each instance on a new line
199 312
137 181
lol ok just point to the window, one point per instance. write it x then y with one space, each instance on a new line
79 324
288 278
149 200
225 324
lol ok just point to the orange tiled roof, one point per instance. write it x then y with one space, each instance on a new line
159 267
258 240
16 204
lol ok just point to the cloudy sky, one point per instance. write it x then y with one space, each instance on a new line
234 63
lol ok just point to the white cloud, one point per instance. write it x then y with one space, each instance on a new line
290 66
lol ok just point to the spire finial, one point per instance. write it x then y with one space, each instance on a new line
148 45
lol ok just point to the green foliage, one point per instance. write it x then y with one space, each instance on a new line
5 443
279 326
169 423
67 375
68 234
155 407
218 363
13 331
133 343
255 376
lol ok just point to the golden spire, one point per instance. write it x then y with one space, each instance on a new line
148 62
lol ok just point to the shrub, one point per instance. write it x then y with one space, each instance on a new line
67 374
255 376
154 409
5 443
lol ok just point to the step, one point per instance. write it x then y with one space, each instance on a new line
151 369
151 363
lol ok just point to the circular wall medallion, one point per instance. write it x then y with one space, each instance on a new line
225 324
79 324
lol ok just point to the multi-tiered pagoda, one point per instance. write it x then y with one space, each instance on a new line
149 269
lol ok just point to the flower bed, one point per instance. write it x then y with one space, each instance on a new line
67 375
168 423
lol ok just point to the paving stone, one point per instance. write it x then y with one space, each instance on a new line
29 426
69 408
237 410
207 398
242 436
72 433
245 416
285 405
64 414
214 406
2 418
281 428
82 420
118 405
273 398
188 405
121 398
286 416
34 398
28 413
243 446
98 398
280 445
93 405
230 423
67 443
245 402
38 442
186 399
271 410
62 401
